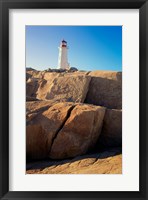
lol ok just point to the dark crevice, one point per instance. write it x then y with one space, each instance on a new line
88 72
62 125
85 100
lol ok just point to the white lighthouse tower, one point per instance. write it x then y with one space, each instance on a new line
63 59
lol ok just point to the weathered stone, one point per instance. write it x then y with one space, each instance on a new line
61 130
39 87
42 126
106 162
76 73
70 88
43 89
32 85
35 74
50 76
36 106
36 138
31 98
112 128
80 132
29 69
28 76
105 89
45 84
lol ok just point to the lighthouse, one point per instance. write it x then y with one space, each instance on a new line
63 58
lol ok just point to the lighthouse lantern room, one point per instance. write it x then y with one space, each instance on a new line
63 58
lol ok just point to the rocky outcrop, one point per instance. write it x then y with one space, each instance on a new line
38 106
80 132
45 85
28 76
39 87
28 98
102 88
34 73
42 126
69 88
32 85
76 73
50 76
112 128
59 125
105 89
106 162
61 130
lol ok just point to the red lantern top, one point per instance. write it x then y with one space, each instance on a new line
64 43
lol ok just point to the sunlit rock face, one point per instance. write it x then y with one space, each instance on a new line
105 89
69 114
106 162
62 130
79 133
102 88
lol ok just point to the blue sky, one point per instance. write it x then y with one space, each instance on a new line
90 47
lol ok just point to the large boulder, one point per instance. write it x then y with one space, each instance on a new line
61 129
42 126
62 87
80 132
105 89
112 128
70 88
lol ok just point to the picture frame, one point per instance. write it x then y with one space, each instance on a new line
5 6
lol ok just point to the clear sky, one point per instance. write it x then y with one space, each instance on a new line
90 47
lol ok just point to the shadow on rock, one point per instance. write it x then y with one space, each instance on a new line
102 154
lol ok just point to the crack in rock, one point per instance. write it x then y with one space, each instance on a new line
62 125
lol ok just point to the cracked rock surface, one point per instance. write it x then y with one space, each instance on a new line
80 132
61 129
67 87
73 122
42 126
71 88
